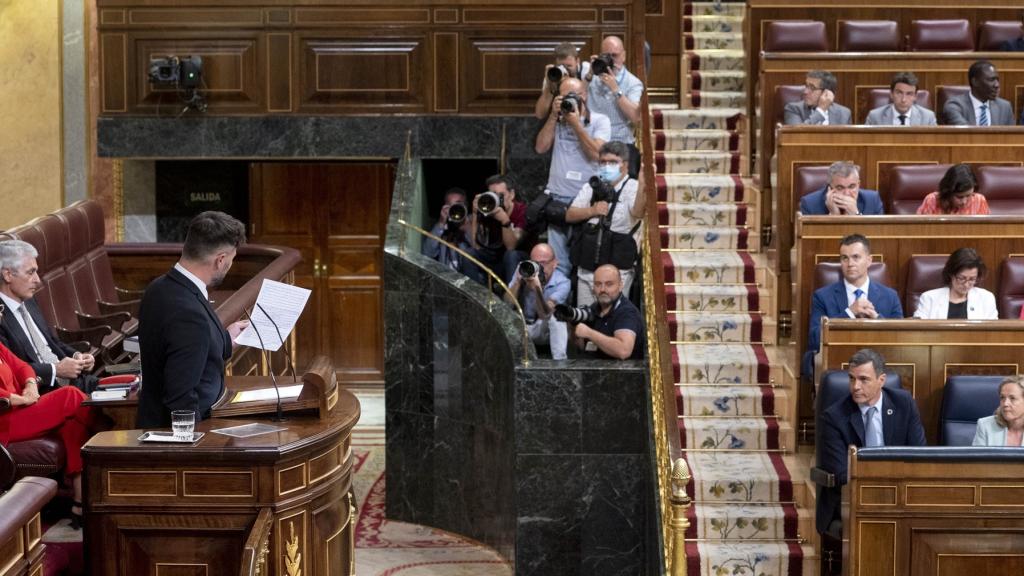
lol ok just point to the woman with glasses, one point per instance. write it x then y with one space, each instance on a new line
960 298
956 195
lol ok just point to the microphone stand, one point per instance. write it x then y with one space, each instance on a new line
287 356
280 411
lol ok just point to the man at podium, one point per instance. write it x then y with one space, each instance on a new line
181 340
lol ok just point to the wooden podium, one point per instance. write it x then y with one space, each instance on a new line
319 393
278 503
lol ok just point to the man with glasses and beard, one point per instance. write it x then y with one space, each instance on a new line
182 342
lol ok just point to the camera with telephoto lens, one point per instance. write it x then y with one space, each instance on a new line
572 314
602 190
528 269
457 214
488 202
556 73
570 103
601 64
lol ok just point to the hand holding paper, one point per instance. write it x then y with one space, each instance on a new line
284 304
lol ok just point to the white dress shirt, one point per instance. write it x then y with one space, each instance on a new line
14 308
195 279
896 116
850 298
876 419
977 109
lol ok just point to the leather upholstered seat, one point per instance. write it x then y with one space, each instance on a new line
965 399
1003 187
1010 296
795 36
910 183
826 273
941 36
869 36
993 33
924 273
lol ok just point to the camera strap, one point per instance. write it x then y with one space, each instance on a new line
615 199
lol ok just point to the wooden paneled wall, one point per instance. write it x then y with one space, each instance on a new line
926 352
334 57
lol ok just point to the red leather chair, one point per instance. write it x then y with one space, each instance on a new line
910 183
808 179
826 273
112 298
795 36
924 273
1003 187
882 96
784 94
993 33
869 36
1010 296
37 457
941 36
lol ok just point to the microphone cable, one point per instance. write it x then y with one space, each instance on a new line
280 411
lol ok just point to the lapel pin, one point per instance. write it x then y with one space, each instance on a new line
888 412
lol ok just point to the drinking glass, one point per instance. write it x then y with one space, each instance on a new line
183 422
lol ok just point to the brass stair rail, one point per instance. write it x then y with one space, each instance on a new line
491 279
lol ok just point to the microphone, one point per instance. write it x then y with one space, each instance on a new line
287 356
280 411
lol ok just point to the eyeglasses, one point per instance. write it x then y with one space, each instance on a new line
812 88
966 279
610 163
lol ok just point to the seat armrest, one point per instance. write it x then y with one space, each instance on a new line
94 335
130 306
22 502
8 468
115 319
823 478
125 294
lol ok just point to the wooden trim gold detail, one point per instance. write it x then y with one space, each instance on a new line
336 450
302 486
187 473
446 16
117 176
457 68
998 488
150 495
34 531
863 549
401 49
292 556
893 489
270 36
945 366
112 17
20 535
907 488
206 567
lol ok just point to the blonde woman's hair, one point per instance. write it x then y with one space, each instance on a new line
1019 381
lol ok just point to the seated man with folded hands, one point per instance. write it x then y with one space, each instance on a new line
842 196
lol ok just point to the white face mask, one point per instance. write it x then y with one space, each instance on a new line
609 172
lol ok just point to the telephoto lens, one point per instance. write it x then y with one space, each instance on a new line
570 103
528 269
488 202
572 315
457 213
555 74
602 64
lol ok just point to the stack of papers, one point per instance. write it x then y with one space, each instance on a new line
101 395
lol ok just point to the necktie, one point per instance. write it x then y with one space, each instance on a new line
903 119
983 119
43 352
857 294
871 432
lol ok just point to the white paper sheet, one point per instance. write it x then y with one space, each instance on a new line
267 394
284 303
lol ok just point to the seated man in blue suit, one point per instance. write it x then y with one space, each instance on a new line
854 297
871 416
842 195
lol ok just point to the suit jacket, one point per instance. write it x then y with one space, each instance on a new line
885 116
959 111
183 348
844 426
798 113
934 304
15 339
868 202
989 433
830 301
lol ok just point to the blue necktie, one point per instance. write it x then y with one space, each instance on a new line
857 294
872 437
983 120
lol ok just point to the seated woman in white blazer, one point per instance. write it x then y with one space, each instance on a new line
1006 426
960 298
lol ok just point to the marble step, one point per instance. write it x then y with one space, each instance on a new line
759 434
697 140
720 163
714 23
706 298
732 401
712 99
703 214
720 363
706 327
713 41
721 477
719 558
734 521
711 267
717 81
707 238
714 9
705 189
704 119
715 60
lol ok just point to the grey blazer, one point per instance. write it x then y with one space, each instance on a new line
989 433
885 115
959 111
798 113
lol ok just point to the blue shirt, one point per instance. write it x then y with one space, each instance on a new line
556 290
602 99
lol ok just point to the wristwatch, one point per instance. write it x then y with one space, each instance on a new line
617 94
508 224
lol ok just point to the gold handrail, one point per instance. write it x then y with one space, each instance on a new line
491 278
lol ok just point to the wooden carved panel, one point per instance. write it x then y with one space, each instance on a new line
966 550
113 72
180 545
350 73
355 331
878 548
332 530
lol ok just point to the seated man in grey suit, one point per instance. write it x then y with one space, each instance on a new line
842 195
818 106
982 106
903 111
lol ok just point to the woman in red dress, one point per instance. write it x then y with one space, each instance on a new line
32 416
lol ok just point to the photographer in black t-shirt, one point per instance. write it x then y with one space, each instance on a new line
616 329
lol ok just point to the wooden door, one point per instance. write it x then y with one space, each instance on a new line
335 214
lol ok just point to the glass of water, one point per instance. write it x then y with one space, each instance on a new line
183 423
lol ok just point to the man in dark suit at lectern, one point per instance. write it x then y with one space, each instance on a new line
182 342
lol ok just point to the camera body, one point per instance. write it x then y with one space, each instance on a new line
602 191
528 269
488 202
573 314
602 64
556 73
457 214
185 73
570 103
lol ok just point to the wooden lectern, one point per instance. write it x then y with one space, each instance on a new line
319 393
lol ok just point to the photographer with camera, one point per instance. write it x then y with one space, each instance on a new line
539 286
616 93
613 208
574 136
453 226
496 226
612 326
567 65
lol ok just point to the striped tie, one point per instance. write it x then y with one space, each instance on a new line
983 119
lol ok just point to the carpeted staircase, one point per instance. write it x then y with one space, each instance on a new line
732 414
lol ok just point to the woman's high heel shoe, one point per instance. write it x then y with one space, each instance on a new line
76 518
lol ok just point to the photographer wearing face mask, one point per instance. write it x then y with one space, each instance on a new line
496 226
567 65
539 286
616 93
574 136
613 214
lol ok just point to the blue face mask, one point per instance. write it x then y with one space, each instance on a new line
608 172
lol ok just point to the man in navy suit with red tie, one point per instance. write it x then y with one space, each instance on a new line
872 415
181 340
855 296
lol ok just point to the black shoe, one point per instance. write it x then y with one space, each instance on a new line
76 518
